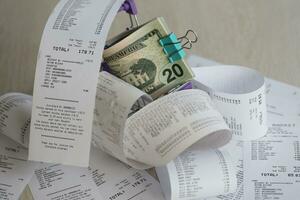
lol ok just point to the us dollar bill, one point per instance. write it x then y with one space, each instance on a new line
139 60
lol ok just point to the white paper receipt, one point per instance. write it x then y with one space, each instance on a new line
15 113
66 78
107 179
240 98
160 131
196 174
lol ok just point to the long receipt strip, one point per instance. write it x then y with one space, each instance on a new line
268 168
112 178
268 171
239 95
66 78
63 104
106 178
158 132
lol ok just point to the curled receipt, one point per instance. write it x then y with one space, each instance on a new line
66 78
239 94
125 126
158 131
15 114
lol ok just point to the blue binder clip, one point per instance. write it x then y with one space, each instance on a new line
173 47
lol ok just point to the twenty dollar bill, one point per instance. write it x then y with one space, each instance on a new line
139 59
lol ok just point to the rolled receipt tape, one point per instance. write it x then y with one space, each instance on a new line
15 115
155 133
66 77
239 94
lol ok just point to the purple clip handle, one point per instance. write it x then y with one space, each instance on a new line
129 7
186 86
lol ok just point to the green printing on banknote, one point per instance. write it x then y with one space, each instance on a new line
139 60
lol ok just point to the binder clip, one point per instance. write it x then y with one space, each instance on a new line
173 47
130 7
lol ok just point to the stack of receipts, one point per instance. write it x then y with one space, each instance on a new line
266 168
239 95
212 141
72 100
242 169
155 133
106 177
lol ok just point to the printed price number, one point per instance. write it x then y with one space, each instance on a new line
139 182
293 175
86 52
